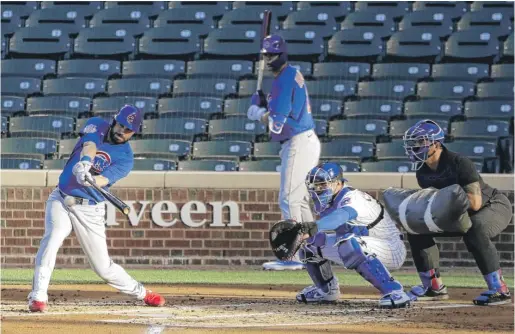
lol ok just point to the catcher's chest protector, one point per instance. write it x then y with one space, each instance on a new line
429 211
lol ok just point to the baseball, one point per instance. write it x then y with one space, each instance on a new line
69 201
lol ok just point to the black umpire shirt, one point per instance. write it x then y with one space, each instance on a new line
453 169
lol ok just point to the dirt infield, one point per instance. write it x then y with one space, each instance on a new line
236 309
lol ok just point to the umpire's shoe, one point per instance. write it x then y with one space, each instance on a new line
492 297
395 299
283 265
313 294
419 292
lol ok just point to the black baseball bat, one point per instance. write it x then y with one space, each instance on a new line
265 31
118 203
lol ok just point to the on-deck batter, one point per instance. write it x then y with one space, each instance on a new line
104 155
291 123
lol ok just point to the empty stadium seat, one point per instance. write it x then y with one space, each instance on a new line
37 148
154 164
359 129
386 166
478 128
34 68
502 72
372 108
247 87
347 149
415 44
232 42
303 44
496 24
471 46
215 87
474 148
139 87
395 9
146 8
347 71
393 150
12 105
158 68
399 127
103 42
160 148
19 163
453 90
208 166
10 24
133 21
357 44
91 68
465 72
507 53
58 18
219 149
186 19
505 7
190 106
54 164
379 24
236 107
81 8
58 105
401 71
320 127
4 124
313 20
246 18
20 9
214 9
36 42
235 128
173 128
438 23
433 109
303 67
325 108
260 166
66 147
20 86
338 9
454 9
166 43
278 8
495 90
109 106
387 89
43 126
489 109
267 150
232 69
87 87
332 89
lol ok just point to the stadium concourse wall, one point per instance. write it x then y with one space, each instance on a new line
190 218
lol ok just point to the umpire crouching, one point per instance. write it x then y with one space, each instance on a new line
490 213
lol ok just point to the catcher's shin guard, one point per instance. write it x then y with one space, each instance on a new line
318 268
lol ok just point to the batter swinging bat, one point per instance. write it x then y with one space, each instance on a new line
265 31
118 203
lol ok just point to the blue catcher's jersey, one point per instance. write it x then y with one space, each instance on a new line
111 161
289 107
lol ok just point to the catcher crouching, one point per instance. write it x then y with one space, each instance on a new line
353 230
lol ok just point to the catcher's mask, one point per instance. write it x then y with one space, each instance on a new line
418 141
322 182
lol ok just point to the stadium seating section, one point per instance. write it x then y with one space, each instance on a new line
372 70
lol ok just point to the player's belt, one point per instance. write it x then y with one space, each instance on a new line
305 132
378 219
78 200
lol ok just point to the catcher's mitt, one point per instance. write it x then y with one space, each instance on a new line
286 237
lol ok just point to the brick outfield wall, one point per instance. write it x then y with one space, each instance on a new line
149 245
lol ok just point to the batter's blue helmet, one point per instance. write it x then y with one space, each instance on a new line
275 45
130 117
419 138
319 183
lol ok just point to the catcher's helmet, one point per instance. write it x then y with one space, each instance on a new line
320 182
130 117
419 138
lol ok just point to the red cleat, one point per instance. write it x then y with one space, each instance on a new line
154 299
37 306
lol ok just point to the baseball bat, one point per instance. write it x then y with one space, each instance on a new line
118 203
265 31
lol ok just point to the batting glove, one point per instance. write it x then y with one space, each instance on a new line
259 99
82 177
254 113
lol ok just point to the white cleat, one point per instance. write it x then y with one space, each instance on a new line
283 265
313 294
395 299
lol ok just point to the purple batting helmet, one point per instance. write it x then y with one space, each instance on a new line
130 117
419 138
275 51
